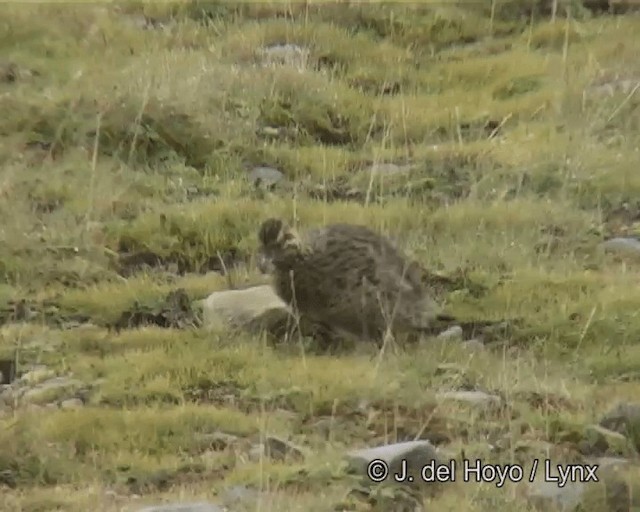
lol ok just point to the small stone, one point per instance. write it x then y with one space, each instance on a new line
388 169
256 452
473 345
476 398
324 426
543 495
37 375
614 87
265 176
280 449
611 462
415 453
239 496
622 418
285 54
71 403
452 333
532 447
609 492
622 245
50 390
270 131
605 432
139 21
8 395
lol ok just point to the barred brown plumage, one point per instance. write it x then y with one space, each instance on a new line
348 277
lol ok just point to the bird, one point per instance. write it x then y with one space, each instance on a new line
348 277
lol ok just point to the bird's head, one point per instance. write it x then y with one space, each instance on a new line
278 244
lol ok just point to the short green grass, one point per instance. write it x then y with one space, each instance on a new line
126 140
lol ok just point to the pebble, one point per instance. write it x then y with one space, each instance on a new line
477 398
415 453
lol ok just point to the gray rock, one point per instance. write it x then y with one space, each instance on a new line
7 394
279 449
543 495
256 452
254 308
452 333
325 426
265 176
184 507
599 436
276 448
610 493
622 418
629 246
139 21
270 131
532 447
37 375
476 398
613 87
50 390
239 497
611 462
284 54
388 169
415 453
71 403
473 345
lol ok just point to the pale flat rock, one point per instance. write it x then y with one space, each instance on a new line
51 389
473 345
258 307
267 176
548 495
628 246
611 462
610 493
37 375
285 55
623 417
239 498
475 398
71 403
415 453
389 168
451 334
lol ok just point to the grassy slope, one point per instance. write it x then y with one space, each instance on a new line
522 213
